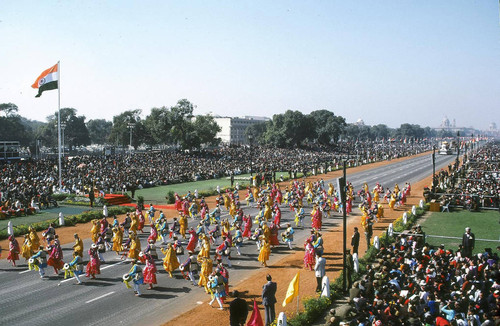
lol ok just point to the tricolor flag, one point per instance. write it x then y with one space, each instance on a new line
47 80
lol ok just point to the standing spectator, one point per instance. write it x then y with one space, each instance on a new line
468 241
348 267
368 231
319 270
91 196
238 310
355 241
269 299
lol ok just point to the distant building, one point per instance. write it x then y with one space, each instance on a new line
233 128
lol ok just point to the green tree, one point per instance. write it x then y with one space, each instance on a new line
380 131
290 129
12 127
327 126
206 129
180 120
99 130
75 132
124 123
158 125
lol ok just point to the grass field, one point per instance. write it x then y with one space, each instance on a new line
46 215
157 195
485 225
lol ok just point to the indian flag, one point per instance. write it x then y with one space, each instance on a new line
47 80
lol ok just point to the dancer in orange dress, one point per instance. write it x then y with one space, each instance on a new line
13 250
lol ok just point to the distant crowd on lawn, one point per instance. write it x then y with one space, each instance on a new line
475 183
25 182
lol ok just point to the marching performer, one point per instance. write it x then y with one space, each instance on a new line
94 265
117 239
150 271
78 246
94 231
40 260
309 257
287 236
34 239
13 250
206 270
134 275
170 262
26 250
238 240
193 240
135 246
56 256
187 268
76 266
265 250
224 250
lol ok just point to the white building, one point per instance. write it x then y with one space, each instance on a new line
233 128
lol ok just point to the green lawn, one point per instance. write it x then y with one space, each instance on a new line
483 224
46 215
157 195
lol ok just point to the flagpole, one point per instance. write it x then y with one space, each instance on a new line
59 120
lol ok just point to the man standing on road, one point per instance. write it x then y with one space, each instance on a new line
269 299
355 241
468 242
319 270
238 310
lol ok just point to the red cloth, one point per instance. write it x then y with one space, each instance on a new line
255 318
150 273
193 241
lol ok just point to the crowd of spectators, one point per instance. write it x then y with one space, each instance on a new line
414 283
475 184
36 180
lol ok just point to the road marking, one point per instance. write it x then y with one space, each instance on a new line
72 278
26 271
102 296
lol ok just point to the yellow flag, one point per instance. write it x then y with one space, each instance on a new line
293 290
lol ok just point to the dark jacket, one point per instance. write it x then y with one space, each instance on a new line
268 293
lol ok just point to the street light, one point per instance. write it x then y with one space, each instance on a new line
63 126
433 167
250 137
131 126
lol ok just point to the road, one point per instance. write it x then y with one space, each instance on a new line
25 299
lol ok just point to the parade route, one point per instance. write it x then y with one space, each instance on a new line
25 299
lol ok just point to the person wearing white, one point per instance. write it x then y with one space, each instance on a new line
319 270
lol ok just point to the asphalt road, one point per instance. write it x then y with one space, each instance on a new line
25 299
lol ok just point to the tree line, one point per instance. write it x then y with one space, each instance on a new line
177 125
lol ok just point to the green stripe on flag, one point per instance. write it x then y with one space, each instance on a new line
47 87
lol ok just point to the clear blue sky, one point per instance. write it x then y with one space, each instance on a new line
383 61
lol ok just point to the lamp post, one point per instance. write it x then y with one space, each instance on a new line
63 126
250 137
433 167
458 148
130 126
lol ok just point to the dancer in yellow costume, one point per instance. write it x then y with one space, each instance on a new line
205 246
135 246
265 251
205 271
135 223
94 231
380 211
117 239
392 202
268 214
170 262
183 223
266 231
26 248
34 239
78 246
375 194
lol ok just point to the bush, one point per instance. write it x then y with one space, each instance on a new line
170 197
313 309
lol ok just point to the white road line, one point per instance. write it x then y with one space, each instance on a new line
72 278
102 296
26 271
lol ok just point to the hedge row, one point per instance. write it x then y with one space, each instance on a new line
314 307
71 220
